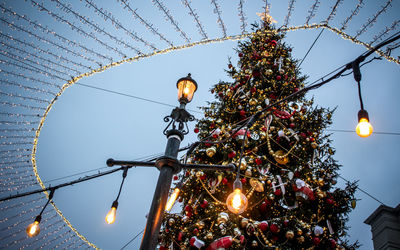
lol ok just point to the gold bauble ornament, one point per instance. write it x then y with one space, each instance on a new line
253 101
248 172
299 232
200 225
171 221
222 218
244 222
314 145
257 185
229 93
209 236
289 235
211 151
269 72
199 174
243 164
279 157
254 243
353 203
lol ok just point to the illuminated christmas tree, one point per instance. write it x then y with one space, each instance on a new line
286 174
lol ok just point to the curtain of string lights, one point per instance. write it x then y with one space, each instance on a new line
40 60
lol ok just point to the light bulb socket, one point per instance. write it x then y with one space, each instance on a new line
38 218
237 184
114 204
362 114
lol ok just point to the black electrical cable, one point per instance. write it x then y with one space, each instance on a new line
86 178
132 96
312 45
134 238
124 174
352 131
365 192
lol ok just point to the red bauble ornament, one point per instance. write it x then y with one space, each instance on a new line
258 161
286 223
242 239
263 207
224 181
240 54
253 90
204 204
232 154
221 243
292 125
330 201
296 89
176 177
316 241
180 236
196 231
163 248
221 94
278 192
274 228
230 66
333 243
188 208
263 226
278 78
243 180
196 130
242 113
203 177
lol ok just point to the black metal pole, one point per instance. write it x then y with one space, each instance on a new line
168 165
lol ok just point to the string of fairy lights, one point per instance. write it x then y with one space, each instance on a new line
38 62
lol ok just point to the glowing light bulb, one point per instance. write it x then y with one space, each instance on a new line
110 217
172 199
237 201
33 229
364 128
186 90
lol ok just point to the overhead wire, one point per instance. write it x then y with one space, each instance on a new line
134 238
312 45
132 96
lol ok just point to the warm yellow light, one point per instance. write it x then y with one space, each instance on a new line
33 229
172 199
186 88
110 217
236 202
364 128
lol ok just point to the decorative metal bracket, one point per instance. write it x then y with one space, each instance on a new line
178 120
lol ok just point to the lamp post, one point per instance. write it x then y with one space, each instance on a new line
169 164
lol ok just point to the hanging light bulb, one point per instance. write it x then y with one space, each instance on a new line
364 128
110 217
172 199
237 201
34 229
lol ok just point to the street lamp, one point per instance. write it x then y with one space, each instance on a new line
168 164
186 88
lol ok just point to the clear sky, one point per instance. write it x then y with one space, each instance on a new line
88 126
